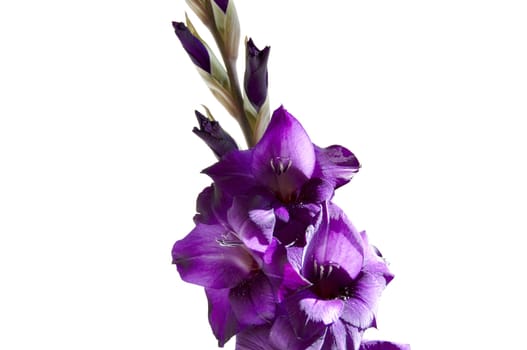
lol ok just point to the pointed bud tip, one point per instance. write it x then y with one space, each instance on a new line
178 25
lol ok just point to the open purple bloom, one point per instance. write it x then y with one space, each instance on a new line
255 79
196 50
233 255
210 131
347 278
291 174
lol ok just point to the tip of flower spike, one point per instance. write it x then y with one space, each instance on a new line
178 25
222 4
195 48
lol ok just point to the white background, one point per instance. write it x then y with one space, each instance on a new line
99 169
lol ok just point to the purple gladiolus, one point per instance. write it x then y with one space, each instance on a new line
347 278
277 259
233 255
281 265
196 50
291 175
210 131
255 79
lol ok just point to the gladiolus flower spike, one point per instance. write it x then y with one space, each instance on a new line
281 264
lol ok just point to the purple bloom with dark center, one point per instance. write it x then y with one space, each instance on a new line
218 140
347 278
244 270
255 79
196 50
291 175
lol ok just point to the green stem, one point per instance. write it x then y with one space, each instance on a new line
232 74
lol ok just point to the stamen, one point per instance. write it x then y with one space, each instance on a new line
280 165
292 243
272 165
228 243
228 239
289 163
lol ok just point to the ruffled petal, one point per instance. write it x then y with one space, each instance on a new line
255 338
253 221
373 260
360 308
336 164
253 300
336 244
300 219
284 158
316 190
232 174
221 318
211 257
205 207
304 316
283 336
335 337
281 273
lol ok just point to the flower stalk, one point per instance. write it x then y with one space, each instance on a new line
229 54
282 265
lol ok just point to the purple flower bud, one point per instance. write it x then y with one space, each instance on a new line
223 4
210 131
196 50
255 80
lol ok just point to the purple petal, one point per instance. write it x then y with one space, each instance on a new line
284 158
281 273
337 164
221 318
212 206
205 212
336 337
300 219
335 245
326 311
255 78
254 338
218 140
232 174
383 345
253 300
316 190
353 336
282 335
196 50
306 319
252 225
373 261
211 257
360 308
